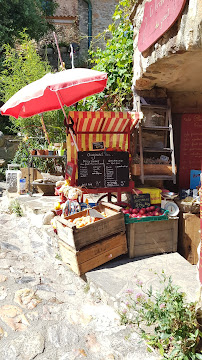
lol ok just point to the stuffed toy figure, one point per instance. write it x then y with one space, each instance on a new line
71 206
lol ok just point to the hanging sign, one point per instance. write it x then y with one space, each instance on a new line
190 147
159 16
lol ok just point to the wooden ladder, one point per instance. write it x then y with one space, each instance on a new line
167 127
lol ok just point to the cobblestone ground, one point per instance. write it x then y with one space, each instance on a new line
46 311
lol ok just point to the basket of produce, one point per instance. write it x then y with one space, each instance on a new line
151 213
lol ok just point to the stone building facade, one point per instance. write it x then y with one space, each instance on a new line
171 67
173 62
79 22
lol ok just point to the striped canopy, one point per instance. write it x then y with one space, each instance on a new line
113 128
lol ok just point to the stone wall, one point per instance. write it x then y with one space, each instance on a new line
8 147
71 26
67 8
102 11
102 14
174 61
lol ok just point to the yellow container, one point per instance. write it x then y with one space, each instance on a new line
155 194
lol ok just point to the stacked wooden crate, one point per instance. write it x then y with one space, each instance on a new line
152 237
85 248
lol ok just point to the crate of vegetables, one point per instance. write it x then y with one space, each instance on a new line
81 229
151 213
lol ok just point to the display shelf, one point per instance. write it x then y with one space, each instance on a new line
49 156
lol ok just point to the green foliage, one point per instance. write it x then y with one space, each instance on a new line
117 60
22 65
23 157
3 173
15 208
175 331
19 14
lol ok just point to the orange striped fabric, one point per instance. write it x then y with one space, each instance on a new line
113 128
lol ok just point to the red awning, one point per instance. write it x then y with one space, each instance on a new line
103 121
113 128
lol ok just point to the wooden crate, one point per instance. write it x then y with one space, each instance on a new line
189 236
153 237
152 169
79 238
31 174
94 255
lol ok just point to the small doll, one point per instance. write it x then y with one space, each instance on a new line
71 206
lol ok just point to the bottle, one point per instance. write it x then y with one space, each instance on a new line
22 186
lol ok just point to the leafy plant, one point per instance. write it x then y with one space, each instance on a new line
23 65
15 208
117 60
23 157
16 15
165 320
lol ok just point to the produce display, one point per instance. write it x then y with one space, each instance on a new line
144 212
85 220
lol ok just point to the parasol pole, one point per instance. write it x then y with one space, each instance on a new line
70 130
62 64
44 129
72 55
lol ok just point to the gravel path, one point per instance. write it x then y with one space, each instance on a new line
46 311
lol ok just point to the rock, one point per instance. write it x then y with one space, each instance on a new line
70 292
25 347
13 317
2 333
48 217
25 280
9 246
44 287
63 335
92 343
34 315
3 278
33 346
53 312
4 264
26 298
3 293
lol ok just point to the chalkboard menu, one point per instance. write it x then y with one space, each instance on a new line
103 169
140 201
190 147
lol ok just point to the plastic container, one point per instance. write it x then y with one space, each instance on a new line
129 220
155 194
22 186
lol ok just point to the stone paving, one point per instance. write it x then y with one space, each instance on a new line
46 311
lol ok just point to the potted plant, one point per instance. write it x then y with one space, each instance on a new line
61 150
51 150
40 151
46 152
33 152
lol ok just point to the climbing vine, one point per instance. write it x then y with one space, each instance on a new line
116 59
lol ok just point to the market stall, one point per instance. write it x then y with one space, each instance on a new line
98 164
96 132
